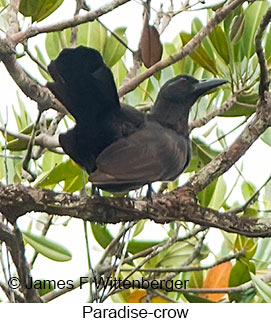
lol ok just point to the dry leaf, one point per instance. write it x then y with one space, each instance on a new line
150 45
217 277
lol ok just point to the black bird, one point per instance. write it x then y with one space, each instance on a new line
120 147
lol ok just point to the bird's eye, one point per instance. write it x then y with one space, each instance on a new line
182 80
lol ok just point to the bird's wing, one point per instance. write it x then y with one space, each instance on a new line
150 154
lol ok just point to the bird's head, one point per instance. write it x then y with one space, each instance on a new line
185 89
177 96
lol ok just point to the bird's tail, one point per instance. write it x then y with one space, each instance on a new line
83 83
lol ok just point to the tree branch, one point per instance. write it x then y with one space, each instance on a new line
13 9
179 205
183 269
226 159
224 107
264 80
219 16
14 241
75 21
30 88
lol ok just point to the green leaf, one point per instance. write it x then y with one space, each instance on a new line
146 89
267 196
170 49
47 286
92 34
248 244
241 109
268 45
101 234
248 189
18 144
179 252
135 246
251 212
38 9
50 160
55 42
219 41
239 275
263 289
66 171
139 227
228 21
262 257
46 247
199 55
196 279
192 298
119 71
23 119
114 50
202 154
173 185
76 183
253 16
266 137
41 58
196 26
218 195
237 28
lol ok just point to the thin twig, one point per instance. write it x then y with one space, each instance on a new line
35 60
41 140
251 200
224 107
264 79
183 269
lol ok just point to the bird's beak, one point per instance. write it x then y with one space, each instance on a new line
205 86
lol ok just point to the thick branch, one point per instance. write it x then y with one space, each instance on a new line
75 21
225 160
179 205
13 9
32 89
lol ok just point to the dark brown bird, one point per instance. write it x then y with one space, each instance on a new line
120 147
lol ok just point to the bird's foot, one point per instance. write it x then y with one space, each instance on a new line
150 191
95 191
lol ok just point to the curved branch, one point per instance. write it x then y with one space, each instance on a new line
225 160
75 21
264 79
14 241
30 88
179 205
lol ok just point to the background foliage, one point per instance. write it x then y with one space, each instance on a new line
228 53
